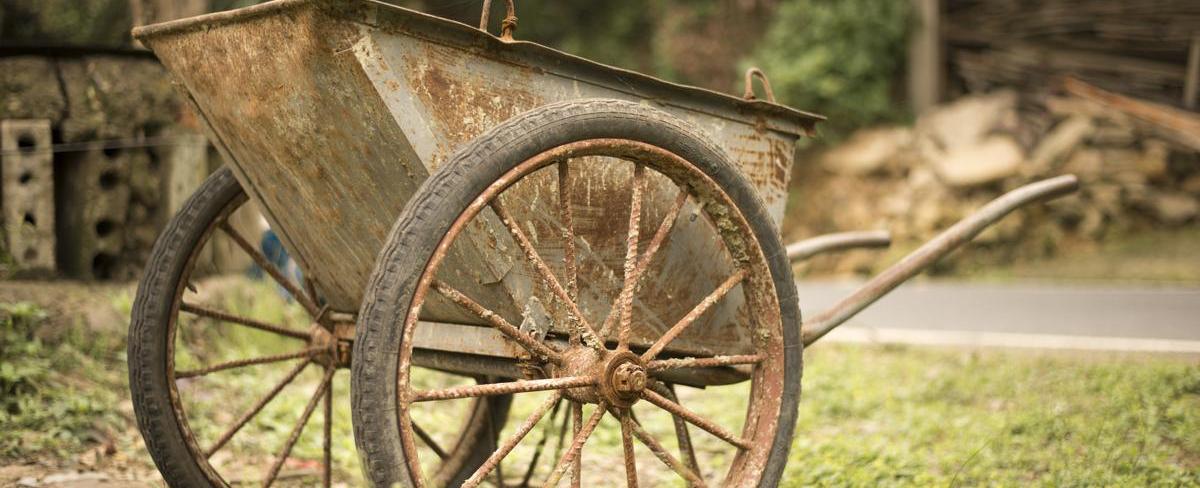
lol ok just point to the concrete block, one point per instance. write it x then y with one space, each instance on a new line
93 210
28 192
187 167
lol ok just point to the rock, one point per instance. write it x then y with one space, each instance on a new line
1121 165
1105 197
968 120
1172 208
1058 143
1087 164
1153 162
993 159
1005 230
1192 185
867 151
1114 135
1093 223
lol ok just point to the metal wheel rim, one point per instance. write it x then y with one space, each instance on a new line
763 412
458 454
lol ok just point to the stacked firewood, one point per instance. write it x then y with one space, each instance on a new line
1138 163
1138 48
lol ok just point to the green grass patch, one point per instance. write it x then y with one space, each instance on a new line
900 416
46 406
869 416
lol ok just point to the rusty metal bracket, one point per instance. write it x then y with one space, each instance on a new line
799 251
949 240
508 26
753 73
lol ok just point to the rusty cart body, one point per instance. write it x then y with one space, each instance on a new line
334 116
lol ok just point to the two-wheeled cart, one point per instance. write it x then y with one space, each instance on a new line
477 219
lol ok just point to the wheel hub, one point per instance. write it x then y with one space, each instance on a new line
620 375
331 351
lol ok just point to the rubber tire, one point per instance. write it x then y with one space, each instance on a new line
451 188
152 309
147 346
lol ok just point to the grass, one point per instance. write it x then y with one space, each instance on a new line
900 416
45 407
870 415
907 416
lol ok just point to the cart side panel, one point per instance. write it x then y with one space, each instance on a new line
309 138
444 97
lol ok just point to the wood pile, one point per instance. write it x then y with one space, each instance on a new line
1138 162
1138 48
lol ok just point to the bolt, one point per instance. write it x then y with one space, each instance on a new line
629 378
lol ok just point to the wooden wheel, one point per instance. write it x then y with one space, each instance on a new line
576 193
227 374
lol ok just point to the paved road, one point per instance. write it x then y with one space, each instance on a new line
1092 317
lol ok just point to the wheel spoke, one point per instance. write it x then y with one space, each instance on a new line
537 451
631 478
625 296
491 389
694 314
254 410
576 445
578 321
428 440
625 320
566 215
535 347
694 418
299 428
223 316
327 438
712 362
682 436
241 363
661 453
302 298
577 465
493 461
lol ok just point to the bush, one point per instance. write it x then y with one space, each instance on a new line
839 58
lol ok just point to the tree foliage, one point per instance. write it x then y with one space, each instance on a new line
840 58
103 22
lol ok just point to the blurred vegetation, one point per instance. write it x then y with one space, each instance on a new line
841 58
97 22
45 405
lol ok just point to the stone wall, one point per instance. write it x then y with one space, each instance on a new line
114 124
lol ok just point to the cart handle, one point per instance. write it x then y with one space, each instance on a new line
507 26
799 251
753 73
949 240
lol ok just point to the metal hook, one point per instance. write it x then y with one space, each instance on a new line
507 26
750 75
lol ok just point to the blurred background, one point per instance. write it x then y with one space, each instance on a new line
935 107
